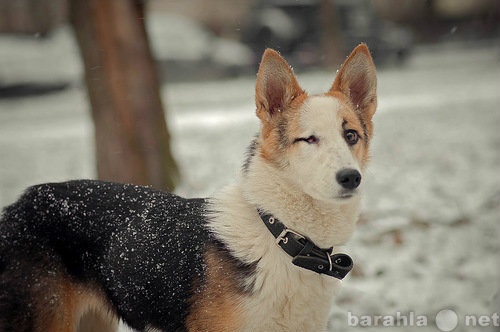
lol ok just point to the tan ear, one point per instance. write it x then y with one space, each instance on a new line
276 86
358 81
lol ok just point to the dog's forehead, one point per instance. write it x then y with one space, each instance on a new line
321 112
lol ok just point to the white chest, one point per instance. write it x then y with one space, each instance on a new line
288 298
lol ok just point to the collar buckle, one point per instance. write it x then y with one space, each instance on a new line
283 236
329 257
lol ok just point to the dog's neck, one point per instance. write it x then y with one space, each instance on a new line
326 223
236 221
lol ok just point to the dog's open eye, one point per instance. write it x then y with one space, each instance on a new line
309 140
351 136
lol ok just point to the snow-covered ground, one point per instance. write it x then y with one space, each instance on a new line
429 236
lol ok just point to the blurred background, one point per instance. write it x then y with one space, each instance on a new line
161 93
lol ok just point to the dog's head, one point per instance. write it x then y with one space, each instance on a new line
319 142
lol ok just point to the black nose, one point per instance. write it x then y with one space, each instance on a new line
349 178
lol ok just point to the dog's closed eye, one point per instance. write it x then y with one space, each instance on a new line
309 140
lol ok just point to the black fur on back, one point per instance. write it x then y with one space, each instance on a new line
143 246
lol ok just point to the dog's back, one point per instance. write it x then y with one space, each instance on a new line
60 241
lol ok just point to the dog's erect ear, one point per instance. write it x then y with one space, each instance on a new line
357 80
276 86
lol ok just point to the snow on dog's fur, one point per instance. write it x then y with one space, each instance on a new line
74 251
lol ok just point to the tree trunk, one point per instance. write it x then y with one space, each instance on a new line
132 140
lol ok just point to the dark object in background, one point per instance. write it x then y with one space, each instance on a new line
293 27
38 17
21 90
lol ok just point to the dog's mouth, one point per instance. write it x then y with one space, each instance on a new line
347 194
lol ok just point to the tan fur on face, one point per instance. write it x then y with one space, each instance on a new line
277 133
352 121
278 97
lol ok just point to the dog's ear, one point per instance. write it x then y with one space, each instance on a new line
357 80
276 86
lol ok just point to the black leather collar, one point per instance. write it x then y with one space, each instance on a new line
305 253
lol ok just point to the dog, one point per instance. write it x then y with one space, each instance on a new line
258 256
